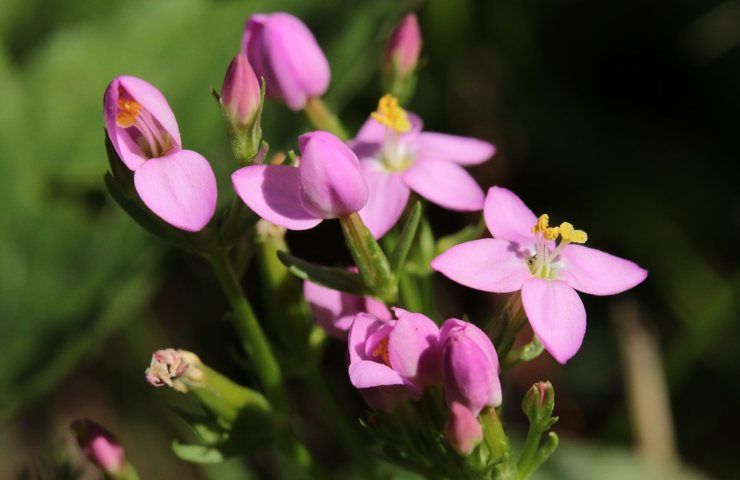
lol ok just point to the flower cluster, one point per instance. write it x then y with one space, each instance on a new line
409 369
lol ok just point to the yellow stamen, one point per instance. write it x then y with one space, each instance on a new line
391 114
382 351
572 235
543 226
128 110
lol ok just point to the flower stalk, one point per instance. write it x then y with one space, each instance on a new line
322 118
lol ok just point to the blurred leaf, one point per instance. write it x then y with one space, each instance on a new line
197 453
331 277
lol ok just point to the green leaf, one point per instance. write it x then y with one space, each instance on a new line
197 453
471 232
401 251
331 277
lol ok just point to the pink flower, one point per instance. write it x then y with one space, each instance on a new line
462 429
99 446
283 50
524 256
397 157
177 185
328 183
469 366
404 46
240 92
335 311
392 360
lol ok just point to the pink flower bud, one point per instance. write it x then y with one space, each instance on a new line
283 50
330 180
469 366
240 92
99 446
462 429
404 46
178 369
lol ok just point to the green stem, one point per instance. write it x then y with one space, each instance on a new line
525 466
497 442
323 118
347 433
253 338
301 457
370 259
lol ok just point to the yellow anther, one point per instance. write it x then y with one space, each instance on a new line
391 114
128 110
382 351
572 235
542 223
551 233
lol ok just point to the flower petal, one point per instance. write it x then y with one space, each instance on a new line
598 273
508 218
272 192
556 314
453 148
446 184
412 348
333 310
180 188
386 201
374 132
488 264
369 374
362 328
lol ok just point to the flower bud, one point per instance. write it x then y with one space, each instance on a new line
462 429
404 46
240 92
99 446
330 180
469 366
539 403
283 50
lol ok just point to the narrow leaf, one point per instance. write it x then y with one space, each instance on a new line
197 453
331 277
401 251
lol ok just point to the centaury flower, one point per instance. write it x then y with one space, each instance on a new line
177 185
525 255
327 183
283 50
398 157
390 360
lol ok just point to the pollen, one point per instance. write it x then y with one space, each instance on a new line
128 110
543 226
572 235
391 114
382 351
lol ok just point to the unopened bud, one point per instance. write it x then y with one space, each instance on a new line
462 429
241 103
401 58
178 369
539 403
99 446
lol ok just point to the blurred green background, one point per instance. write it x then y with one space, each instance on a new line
621 117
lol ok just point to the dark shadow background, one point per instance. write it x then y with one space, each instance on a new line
621 117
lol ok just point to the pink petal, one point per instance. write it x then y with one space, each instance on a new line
180 188
508 218
333 310
388 195
412 348
369 374
362 328
374 132
296 60
272 192
446 184
556 314
488 264
468 375
453 148
598 273
462 429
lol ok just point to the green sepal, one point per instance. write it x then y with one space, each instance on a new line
205 428
331 277
405 241
197 453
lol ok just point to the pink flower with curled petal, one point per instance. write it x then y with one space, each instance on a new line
178 185
397 157
335 311
524 255
469 366
327 183
283 50
393 360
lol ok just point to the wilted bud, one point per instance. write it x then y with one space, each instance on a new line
99 446
539 403
330 180
462 429
178 369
